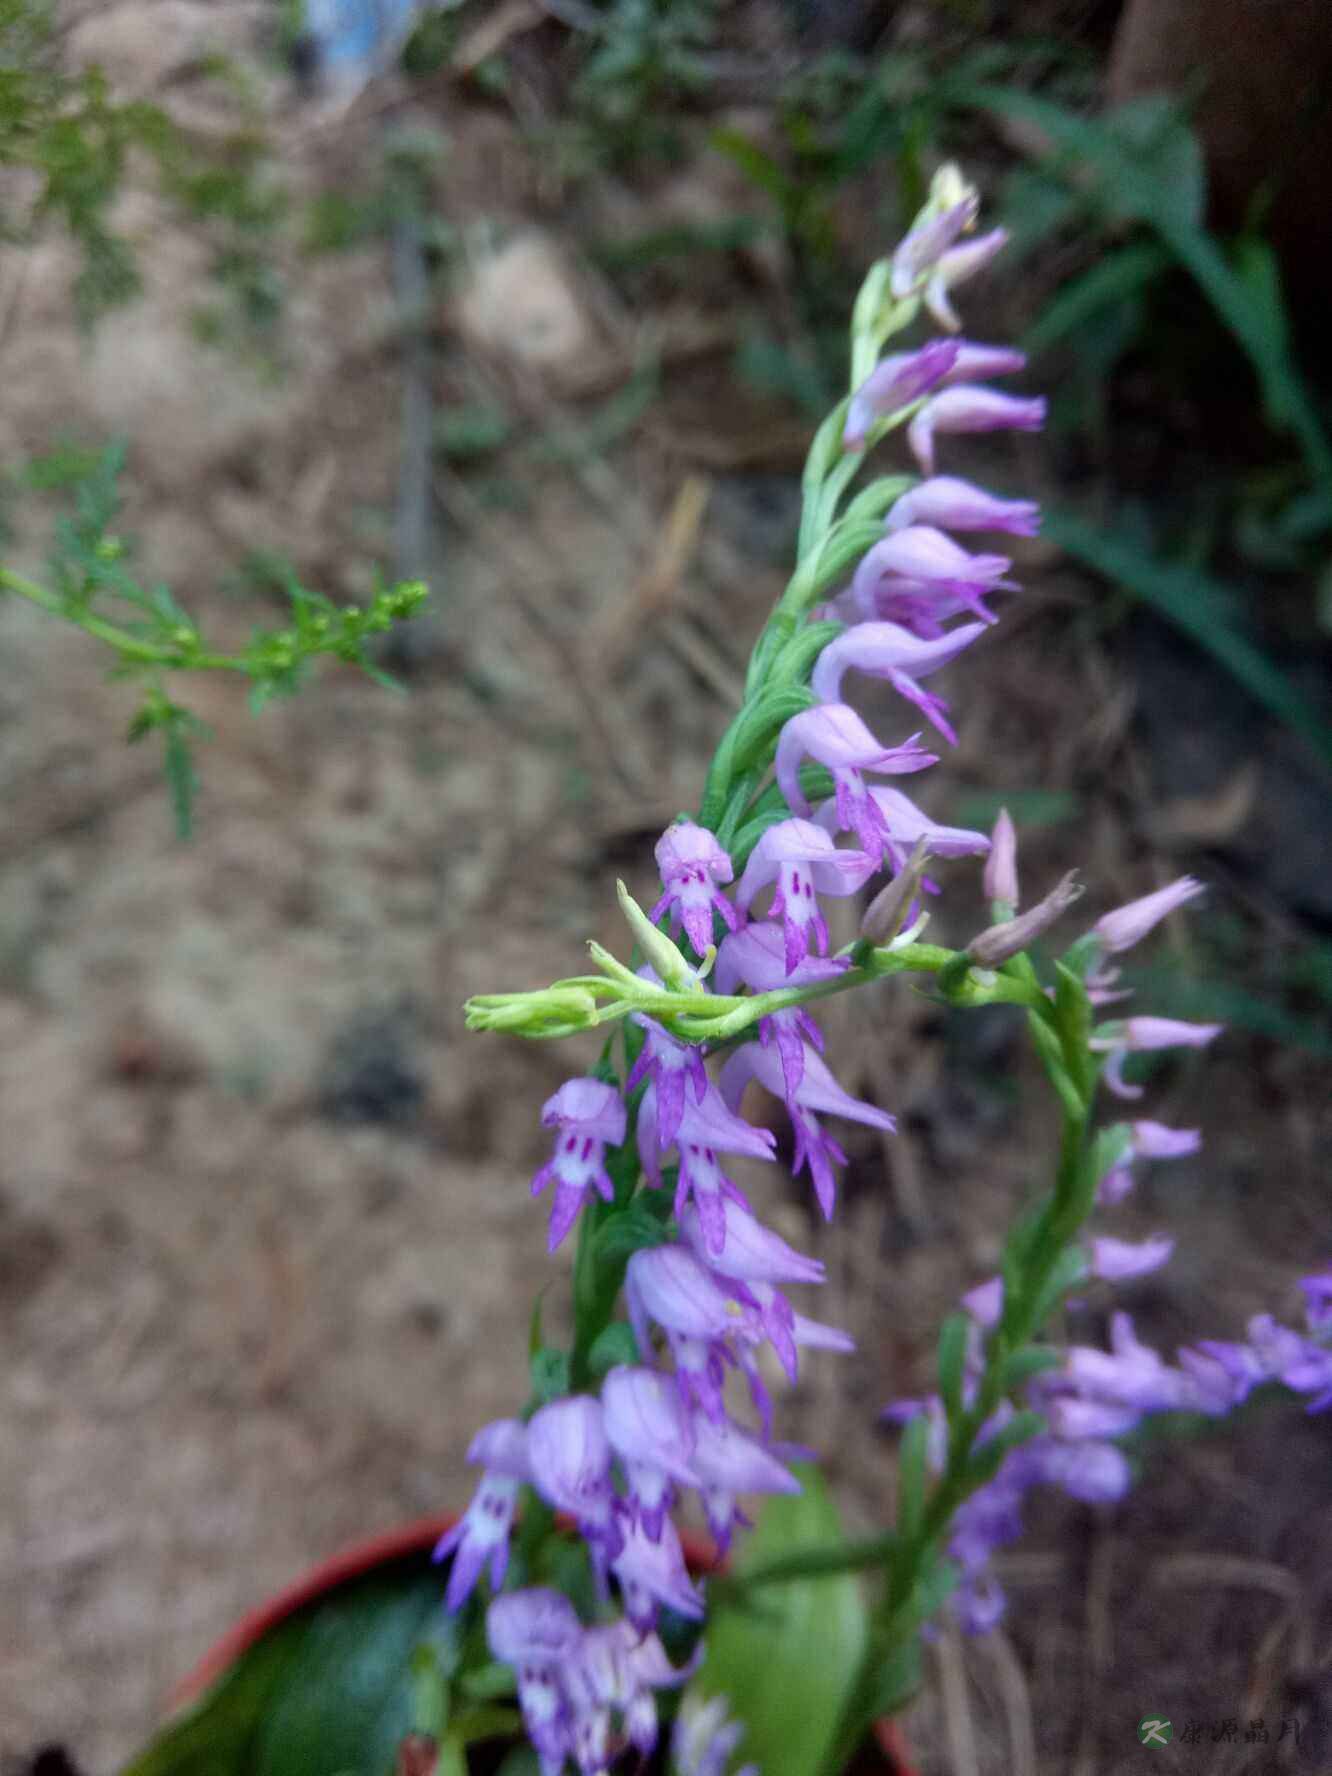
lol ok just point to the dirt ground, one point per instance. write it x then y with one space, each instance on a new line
266 1249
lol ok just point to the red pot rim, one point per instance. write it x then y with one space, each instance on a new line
395 1544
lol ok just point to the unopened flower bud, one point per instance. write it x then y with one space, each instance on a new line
1001 878
887 912
1013 936
657 948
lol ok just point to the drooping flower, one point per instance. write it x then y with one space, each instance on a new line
978 363
589 1115
671 1065
817 1094
802 859
569 1456
1138 1035
616 1668
693 867
651 1432
886 650
706 1130
729 1461
757 956
907 825
895 382
918 577
969 407
1104 1393
1128 925
946 503
954 267
1116 1260
652 1573
535 1631
931 235
835 736
1318 1300
704 1738
481 1536
668 1287
1147 1140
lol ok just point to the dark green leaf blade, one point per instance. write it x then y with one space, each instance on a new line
786 1659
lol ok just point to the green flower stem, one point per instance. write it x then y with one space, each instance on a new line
129 647
915 1549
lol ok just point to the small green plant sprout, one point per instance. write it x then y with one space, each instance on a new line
91 584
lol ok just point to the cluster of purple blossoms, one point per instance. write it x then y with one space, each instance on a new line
1095 1397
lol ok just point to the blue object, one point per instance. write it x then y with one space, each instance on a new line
356 39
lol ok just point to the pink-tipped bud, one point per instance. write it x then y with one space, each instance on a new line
1011 937
1001 877
1128 925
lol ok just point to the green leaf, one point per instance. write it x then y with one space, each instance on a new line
786 1659
1113 279
1070 1270
613 1345
550 1374
334 1687
953 1339
1018 1370
911 1476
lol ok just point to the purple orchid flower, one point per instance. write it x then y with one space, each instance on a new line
654 1573
906 824
955 266
692 865
651 1432
886 650
670 1064
1117 1260
757 956
481 1536
570 1462
589 1115
1147 1140
946 503
978 363
835 735
706 1129
535 1631
918 577
729 1461
971 408
918 253
1138 1035
703 1739
818 1093
614 1667
1318 1300
667 1286
894 383
1128 925
802 858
